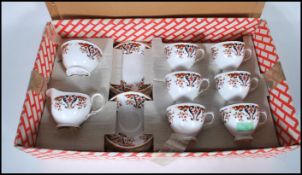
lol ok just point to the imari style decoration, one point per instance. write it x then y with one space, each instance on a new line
122 140
131 47
242 119
133 100
234 80
251 111
233 48
229 49
183 55
70 102
182 50
185 80
188 118
90 50
71 109
187 112
80 57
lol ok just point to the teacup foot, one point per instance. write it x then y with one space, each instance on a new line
67 126
243 139
77 71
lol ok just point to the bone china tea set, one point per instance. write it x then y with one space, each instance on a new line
80 58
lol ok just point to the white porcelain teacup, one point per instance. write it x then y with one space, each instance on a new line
235 85
132 47
229 55
183 55
188 118
242 119
130 113
80 57
71 109
133 58
185 84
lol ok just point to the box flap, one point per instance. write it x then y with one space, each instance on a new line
72 10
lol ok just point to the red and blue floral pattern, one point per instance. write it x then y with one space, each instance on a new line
92 52
234 80
181 50
70 102
134 100
187 112
236 49
239 112
185 79
131 47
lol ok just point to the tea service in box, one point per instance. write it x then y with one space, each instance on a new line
71 109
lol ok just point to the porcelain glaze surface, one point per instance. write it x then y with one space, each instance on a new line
242 119
183 55
80 57
71 108
185 84
187 118
235 85
229 55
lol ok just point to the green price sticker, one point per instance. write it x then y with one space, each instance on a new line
245 126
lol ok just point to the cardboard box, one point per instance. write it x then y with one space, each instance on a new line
131 25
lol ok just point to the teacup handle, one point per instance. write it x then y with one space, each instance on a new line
263 113
247 55
201 54
102 105
206 88
254 84
211 114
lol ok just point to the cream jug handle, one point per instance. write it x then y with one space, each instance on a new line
100 108
247 55
254 84
211 114
263 113
201 90
201 54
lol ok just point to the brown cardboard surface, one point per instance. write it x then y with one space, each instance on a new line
274 76
37 82
71 10
91 135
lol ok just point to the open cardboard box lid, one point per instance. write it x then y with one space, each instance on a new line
71 10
